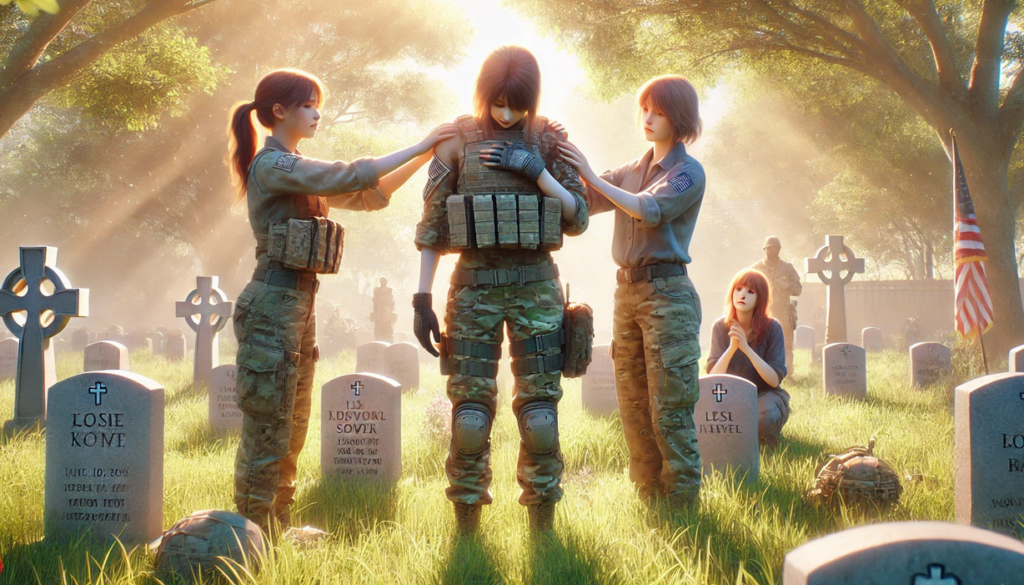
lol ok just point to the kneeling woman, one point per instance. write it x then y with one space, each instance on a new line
748 343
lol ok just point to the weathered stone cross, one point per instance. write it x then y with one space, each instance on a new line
207 311
357 387
45 315
98 391
719 392
828 260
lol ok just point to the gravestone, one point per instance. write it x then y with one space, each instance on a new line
45 315
105 457
207 311
139 341
361 427
989 453
871 339
599 398
845 370
403 364
829 259
8 358
224 412
1017 359
79 339
105 355
726 419
177 347
907 553
156 341
804 338
373 357
116 333
929 361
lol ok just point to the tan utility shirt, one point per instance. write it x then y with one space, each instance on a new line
671 193
783 281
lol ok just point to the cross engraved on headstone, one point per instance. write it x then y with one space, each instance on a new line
937 575
845 351
45 315
98 390
828 259
207 311
357 387
719 392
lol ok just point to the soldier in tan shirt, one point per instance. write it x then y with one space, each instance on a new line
784 282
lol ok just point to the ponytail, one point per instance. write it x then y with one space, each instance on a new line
241 146
287 87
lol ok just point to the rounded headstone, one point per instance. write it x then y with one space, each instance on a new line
361 427
373 357
1017 359
224 412
803 338
8 358
871 339
176 347
845 370
599 398
105 457
928 362
907 553
105 355
726 419
989 452
403 360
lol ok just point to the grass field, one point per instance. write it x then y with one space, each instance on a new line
405 533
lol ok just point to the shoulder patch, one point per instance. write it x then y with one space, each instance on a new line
286 162
681 182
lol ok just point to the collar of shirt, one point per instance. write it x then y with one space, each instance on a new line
678 151
276 144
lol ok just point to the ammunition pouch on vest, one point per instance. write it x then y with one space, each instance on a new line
498 209
314 244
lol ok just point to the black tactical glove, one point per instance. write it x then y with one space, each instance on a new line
513 158
424 321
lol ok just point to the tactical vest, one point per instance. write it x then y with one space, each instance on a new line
498 209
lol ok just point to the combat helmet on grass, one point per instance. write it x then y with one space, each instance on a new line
209 543
857 478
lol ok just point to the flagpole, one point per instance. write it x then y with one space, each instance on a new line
984 358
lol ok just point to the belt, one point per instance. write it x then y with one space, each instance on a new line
500 277
287 279
649 273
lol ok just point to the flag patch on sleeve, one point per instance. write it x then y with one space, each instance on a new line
681 183
286 162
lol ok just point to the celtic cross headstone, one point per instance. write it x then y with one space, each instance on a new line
42 315
206 310
835 259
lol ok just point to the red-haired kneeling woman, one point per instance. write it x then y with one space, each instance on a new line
747 342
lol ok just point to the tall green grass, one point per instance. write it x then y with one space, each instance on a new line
404 533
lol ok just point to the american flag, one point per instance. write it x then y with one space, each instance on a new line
973 311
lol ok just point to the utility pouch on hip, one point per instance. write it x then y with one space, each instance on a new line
313 244
578 323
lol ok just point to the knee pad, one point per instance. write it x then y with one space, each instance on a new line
538 427
471 428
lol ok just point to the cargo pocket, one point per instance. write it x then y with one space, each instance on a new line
679 368
238 318
266 380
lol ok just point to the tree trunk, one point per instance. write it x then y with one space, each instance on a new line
986 166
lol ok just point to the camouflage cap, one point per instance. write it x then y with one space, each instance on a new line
771 241
209 542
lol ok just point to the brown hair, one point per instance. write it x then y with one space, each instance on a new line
288 87
760 320
512 72
674 97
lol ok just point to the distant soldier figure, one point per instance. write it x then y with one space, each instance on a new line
384 315
784 282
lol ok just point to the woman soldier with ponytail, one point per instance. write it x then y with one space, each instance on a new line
288 197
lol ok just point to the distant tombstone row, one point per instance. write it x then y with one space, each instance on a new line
726 420
928 362
105 457
844 371
907 553
398 361
804 338
871 339
599 398
361 427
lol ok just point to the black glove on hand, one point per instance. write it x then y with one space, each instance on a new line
424 321
513 158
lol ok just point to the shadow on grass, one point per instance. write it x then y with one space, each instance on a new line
561 558
77 558
346 508
202 438
470 561
185 393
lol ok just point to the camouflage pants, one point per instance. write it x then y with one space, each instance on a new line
478 314
655 352
276 329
